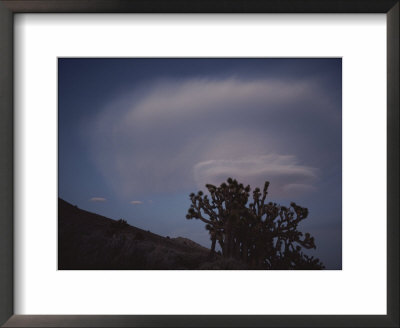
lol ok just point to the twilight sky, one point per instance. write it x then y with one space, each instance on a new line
137 136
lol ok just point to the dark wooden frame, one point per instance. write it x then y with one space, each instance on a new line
7 10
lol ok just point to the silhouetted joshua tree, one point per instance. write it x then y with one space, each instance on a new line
264 235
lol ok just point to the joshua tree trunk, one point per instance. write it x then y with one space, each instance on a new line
225 250
213 241
228 242
245 251
237 249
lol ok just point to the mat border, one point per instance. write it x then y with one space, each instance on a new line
10 7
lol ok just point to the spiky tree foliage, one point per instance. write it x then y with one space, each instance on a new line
264 235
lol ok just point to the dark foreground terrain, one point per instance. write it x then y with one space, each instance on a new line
87 241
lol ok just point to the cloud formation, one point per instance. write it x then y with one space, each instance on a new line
136 202
172 136
286 176
97 199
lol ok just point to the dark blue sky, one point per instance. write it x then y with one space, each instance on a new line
136 136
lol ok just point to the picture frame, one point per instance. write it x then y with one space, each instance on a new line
10 7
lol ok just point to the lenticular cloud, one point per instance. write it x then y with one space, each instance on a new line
173 136
286 176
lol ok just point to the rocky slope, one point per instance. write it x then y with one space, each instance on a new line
87 241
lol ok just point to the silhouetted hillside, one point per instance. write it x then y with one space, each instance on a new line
91 241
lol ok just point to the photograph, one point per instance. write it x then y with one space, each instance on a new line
199 163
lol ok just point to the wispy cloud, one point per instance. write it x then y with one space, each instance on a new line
97 199
136 202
